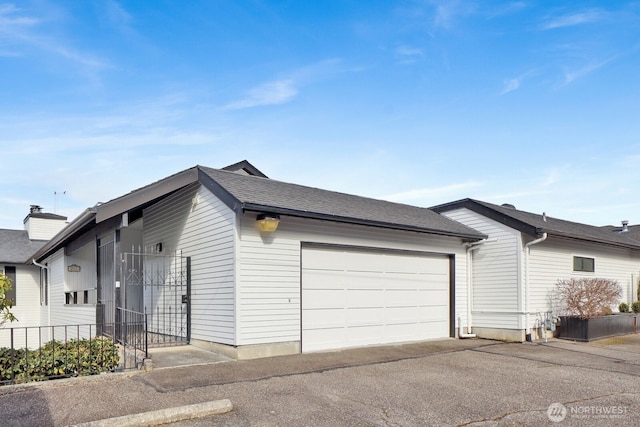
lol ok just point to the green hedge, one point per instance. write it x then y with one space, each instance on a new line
57 360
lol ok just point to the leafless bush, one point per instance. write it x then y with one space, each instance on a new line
588 297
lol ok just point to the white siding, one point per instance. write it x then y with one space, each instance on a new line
62 314
553 260
268 278
42 228
86 278
497 294
205 232
27 308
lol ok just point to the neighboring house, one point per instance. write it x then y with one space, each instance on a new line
16 248
514 273
339 271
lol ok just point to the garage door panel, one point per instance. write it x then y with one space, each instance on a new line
432 314
354 298
315 299
361 298
317 279
363 316
326 319
400 297
363 335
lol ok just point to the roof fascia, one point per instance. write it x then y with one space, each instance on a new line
146 194
511 222
592 240
251 207
66 234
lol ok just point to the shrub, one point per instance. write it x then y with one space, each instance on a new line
636 307
5 304
55 359
623 307
588 297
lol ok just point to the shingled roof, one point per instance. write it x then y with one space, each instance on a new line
534 224
254 193
244 188
16 248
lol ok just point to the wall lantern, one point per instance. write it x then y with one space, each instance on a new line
268 222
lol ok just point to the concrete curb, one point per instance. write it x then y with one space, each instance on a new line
164 416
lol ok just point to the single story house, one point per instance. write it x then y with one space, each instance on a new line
515 271
16 247
232 261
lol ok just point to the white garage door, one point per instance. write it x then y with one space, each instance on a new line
359 297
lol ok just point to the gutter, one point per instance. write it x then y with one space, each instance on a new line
527 253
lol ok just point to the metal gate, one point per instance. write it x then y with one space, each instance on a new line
106 315
160 287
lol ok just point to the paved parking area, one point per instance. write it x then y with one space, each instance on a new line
451 382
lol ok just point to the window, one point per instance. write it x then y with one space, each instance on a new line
71 298
584 264
10 272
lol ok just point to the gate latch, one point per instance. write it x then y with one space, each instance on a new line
185 299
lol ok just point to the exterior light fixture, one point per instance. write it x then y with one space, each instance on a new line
268 223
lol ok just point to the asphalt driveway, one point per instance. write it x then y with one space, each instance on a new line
451 382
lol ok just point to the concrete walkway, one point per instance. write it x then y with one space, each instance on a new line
180 356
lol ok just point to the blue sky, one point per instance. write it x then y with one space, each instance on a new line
533 103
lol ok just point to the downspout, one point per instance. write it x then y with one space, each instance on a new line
527 252
42 266
470 248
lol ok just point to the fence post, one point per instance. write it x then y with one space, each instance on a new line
188 300
13 360
146 337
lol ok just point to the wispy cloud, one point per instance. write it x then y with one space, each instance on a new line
423 193
446 12
408 54
514 83
570 20
285 89
571 76
501 9
117 14
270 93
14 26
22 30
409 51
113 15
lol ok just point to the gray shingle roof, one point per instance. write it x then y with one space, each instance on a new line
16 248
534 223
262 194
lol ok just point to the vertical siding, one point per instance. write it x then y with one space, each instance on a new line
497 294
552 260
268 276
206 233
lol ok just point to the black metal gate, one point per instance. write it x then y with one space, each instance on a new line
160 287
106 308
